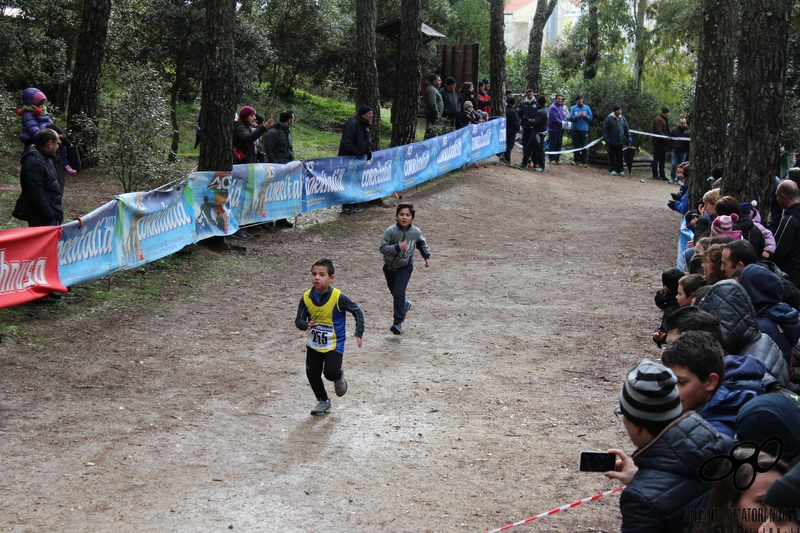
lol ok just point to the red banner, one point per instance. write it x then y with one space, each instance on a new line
29 264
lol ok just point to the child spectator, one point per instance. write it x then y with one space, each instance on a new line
728 205
665 300
397 246
322 314
724 225
680 200
687 286
35 118
707 214
698 361
661 476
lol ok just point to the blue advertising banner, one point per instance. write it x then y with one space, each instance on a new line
324 182
211 191
454 150
86 246
274 192
153 224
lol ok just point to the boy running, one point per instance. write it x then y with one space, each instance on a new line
397 246
322 314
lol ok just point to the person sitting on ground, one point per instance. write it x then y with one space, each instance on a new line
698 361
687 286
707 214
680 200
742 372
726 498
775 318
724 225
699 293
661 475
729 302
782 497
772 415
687 235
467 116
728 205
712 264
769 239
512 127
665 300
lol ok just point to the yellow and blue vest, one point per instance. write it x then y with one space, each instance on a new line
330 333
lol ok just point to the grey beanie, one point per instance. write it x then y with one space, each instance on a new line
650 395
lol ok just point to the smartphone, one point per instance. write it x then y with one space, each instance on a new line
596 461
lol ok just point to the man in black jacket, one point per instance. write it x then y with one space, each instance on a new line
277 144
533 150
787 236
450 101
42 190
527 112
357 142
680 149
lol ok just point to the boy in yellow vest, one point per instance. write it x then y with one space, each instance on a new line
321 313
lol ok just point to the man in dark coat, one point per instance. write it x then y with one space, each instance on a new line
512 126
680 149
277 145
527 112
787 235
42 189
450 101
660 146
357 142
661 476
277 142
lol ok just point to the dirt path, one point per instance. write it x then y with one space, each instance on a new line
191 413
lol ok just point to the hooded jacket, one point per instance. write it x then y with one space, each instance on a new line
768 415
729 302
31 122
556 115
356 140
451 105
787 243
741 373
667 483
769 239
244 138
777 319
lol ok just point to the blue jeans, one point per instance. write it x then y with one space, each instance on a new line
677 159
579 140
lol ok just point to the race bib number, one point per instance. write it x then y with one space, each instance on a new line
320 338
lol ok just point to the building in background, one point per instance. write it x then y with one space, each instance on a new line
519 19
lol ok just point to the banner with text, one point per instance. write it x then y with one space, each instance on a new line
28 264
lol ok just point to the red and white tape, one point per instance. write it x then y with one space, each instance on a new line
558 510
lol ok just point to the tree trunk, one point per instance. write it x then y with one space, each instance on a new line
544 8
367 91
639 42
592 50
715 58
752 155
173 109
218 97
497 57
85 87
409 74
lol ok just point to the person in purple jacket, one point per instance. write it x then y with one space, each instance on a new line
557 116
36 118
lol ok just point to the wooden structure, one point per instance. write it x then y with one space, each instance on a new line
461 62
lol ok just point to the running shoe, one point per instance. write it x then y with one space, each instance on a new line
322 408
340 385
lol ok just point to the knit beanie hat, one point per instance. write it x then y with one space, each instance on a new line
784 493
245 112
615 107
723 225
364 109
771 415
670 278
38 98
649 394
